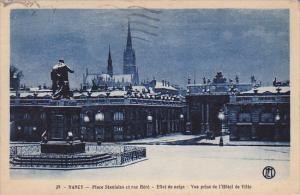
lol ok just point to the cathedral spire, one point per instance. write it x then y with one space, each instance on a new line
109 55
109 63
129 66
129 42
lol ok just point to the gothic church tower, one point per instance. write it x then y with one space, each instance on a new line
109 64
129 66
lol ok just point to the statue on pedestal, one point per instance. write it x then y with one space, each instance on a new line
60 80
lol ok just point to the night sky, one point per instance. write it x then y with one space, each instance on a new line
169 44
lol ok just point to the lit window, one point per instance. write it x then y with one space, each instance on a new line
118 116
118 129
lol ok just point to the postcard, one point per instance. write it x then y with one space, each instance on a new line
149 97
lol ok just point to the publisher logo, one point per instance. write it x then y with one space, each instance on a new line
269 172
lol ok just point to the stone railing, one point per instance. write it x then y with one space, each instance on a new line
95 156
95 101
15 150
260 99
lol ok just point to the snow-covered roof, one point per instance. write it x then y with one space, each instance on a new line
12 94
268 89
37 89
123 78
139 88
44 94
217 84
117 93
159 85
98 94
26 94
78 94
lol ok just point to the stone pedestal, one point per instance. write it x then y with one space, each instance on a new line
62 147
63 125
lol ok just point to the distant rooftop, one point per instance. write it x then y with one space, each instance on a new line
268 90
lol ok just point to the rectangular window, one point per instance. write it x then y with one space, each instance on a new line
118 116
118 129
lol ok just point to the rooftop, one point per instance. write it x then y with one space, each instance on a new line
268 90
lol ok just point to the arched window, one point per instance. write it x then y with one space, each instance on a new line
118 116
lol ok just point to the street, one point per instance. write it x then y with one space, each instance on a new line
184 162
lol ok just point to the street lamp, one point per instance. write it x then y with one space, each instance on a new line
149 125
99 117
149 118
221 116
277 116
181 117
86 118
84 130
277 119
19 133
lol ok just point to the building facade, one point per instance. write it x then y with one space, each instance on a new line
205 101
260 114
219 84
105 119
203 111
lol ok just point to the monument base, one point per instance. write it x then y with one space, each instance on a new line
62 147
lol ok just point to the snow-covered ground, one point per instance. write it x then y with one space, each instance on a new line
185 162
163 139
227 142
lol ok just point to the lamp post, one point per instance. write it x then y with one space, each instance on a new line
86 120
19 133
221 116
277 120
34 133
99 117
181 117
149 125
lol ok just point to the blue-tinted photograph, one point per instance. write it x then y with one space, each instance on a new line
155 94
